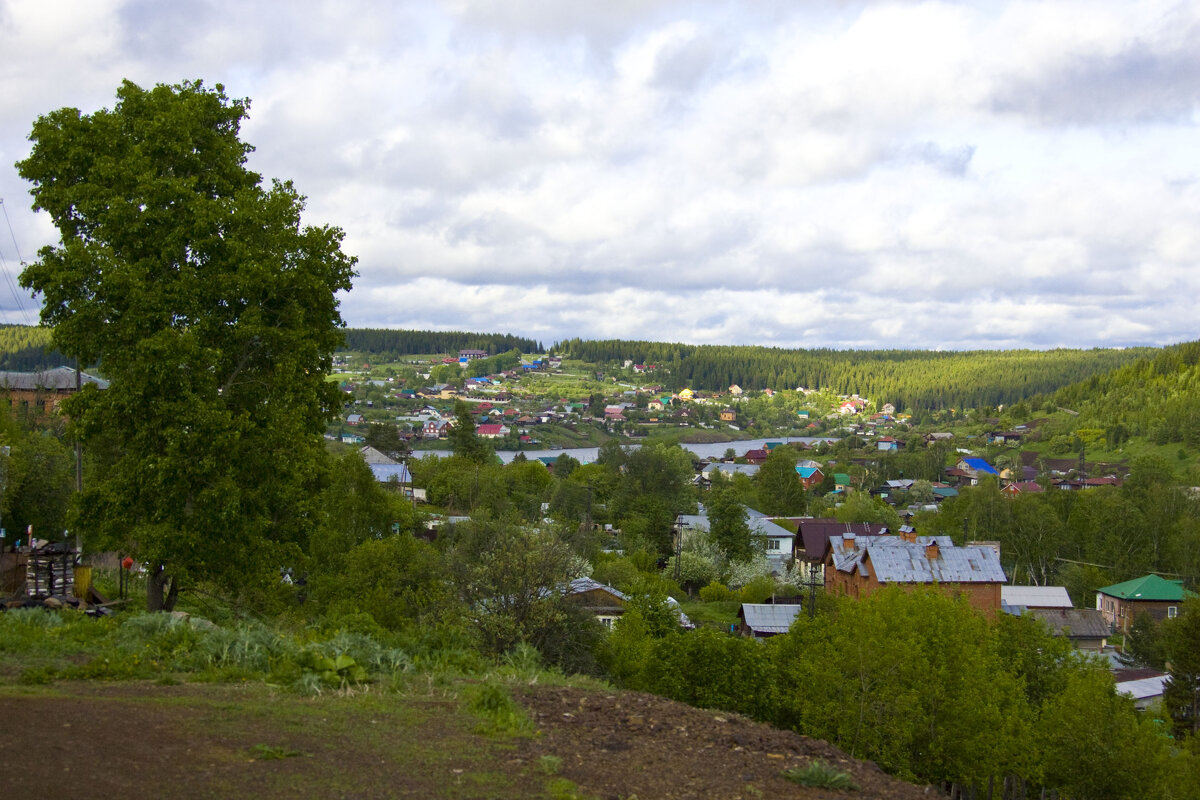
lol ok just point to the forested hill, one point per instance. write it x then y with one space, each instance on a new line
908 379
384 342
1157 396
26 348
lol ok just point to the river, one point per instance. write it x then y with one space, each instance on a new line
586 455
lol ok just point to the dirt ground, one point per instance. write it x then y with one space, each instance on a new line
131 740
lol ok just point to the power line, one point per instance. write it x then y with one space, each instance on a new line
12 287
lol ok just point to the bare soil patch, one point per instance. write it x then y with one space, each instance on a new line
128 740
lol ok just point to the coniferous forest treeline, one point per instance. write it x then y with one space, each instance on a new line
1157 397
906 378
383 342
26 348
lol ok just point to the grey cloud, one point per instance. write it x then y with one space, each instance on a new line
950 160
1141 83
685 65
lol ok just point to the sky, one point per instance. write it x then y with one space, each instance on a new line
790 174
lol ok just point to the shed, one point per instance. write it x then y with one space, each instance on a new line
762 620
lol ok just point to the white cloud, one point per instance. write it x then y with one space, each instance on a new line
846 174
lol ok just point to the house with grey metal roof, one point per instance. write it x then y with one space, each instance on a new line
42 392
777 541
860 565
762 620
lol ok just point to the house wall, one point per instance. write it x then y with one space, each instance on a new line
983 596
1119 613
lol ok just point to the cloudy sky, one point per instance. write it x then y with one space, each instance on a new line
833 174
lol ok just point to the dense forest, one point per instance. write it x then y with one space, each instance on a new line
392 343
26 348
908 379
1157 397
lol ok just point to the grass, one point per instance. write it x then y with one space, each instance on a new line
270 752
820 775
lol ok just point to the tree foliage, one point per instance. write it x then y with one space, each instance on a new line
211 310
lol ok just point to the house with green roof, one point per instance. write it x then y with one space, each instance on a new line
1150 594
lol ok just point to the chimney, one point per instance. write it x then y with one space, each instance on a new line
908 535
931 551
848 540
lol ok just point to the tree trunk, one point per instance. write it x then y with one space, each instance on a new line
160 596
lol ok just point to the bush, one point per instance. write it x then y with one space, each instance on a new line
716 592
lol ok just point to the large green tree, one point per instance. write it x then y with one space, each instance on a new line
213 312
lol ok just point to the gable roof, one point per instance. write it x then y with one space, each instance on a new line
58 379
768 617
1074 623
979 465
894 559
1036 596
1148 588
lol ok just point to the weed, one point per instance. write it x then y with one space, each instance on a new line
501 716
821 775
563 789
268 752
550 765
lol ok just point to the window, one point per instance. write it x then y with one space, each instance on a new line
773 544
1172 612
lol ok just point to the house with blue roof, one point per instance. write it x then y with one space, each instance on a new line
973 469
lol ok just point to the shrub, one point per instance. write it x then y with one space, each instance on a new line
716 592
821 775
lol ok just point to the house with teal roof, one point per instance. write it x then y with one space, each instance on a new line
1159 597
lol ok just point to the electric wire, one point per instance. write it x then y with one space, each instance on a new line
8 279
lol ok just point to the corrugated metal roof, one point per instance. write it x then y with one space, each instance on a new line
1036 596
388 472
582 585
1143 689
908 563
896 560
768 617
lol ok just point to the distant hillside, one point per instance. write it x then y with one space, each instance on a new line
26 348
385 344
1157 396
909 379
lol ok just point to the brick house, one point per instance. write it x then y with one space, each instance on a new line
860 565
1150 594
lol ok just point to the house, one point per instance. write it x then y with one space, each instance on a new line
1150 594
354 419
810 476
655 404
1008 438
728 415
858 566
841 482
812 536
974 469
435 429
1085 628
471 355
763 620
735 390
941 436
887 444
685 394
777 541
603 602
757 456
491 431
1022 487
43 392
727 470
1145 686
